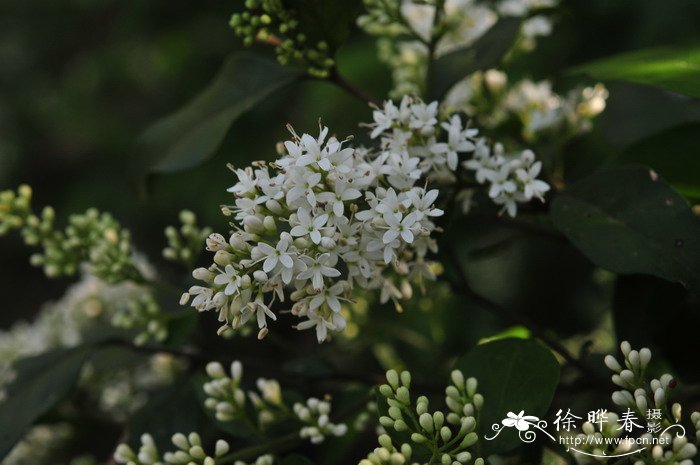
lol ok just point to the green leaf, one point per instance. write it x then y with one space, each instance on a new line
486 53
680 164
635 112
41 382
324 20
672 68
194 133
173 409
630 221
513 375
637 305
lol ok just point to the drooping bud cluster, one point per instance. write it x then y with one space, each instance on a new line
229 402
94 238
269 21
326 218
189 451
452 432
185 243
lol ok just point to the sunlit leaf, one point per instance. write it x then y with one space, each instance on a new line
673 68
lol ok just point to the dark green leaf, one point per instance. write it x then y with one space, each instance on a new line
486 53
635 112
549 279
513 375
643 304
194 133
324 20
673 68
680 164
41 382
181 325
630 221
174 409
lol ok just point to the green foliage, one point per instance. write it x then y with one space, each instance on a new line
325 21
194 133
517 374
296 459
673 68
679 165
629 220
42 382
486 53
636 112
636 303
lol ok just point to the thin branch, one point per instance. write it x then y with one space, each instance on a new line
352 89
462 288
284 443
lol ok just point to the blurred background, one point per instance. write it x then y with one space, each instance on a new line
81 79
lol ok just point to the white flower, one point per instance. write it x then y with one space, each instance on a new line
303 187
276 255
399 226
457 141
321 324
532 187
501 182
343 193
424 117
328 296
230 278
308 225
318 269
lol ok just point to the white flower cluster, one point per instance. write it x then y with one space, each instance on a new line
228 400
406 28
315 413
322 219
451 432
492 102
642 397
326 217
411 130
190 452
